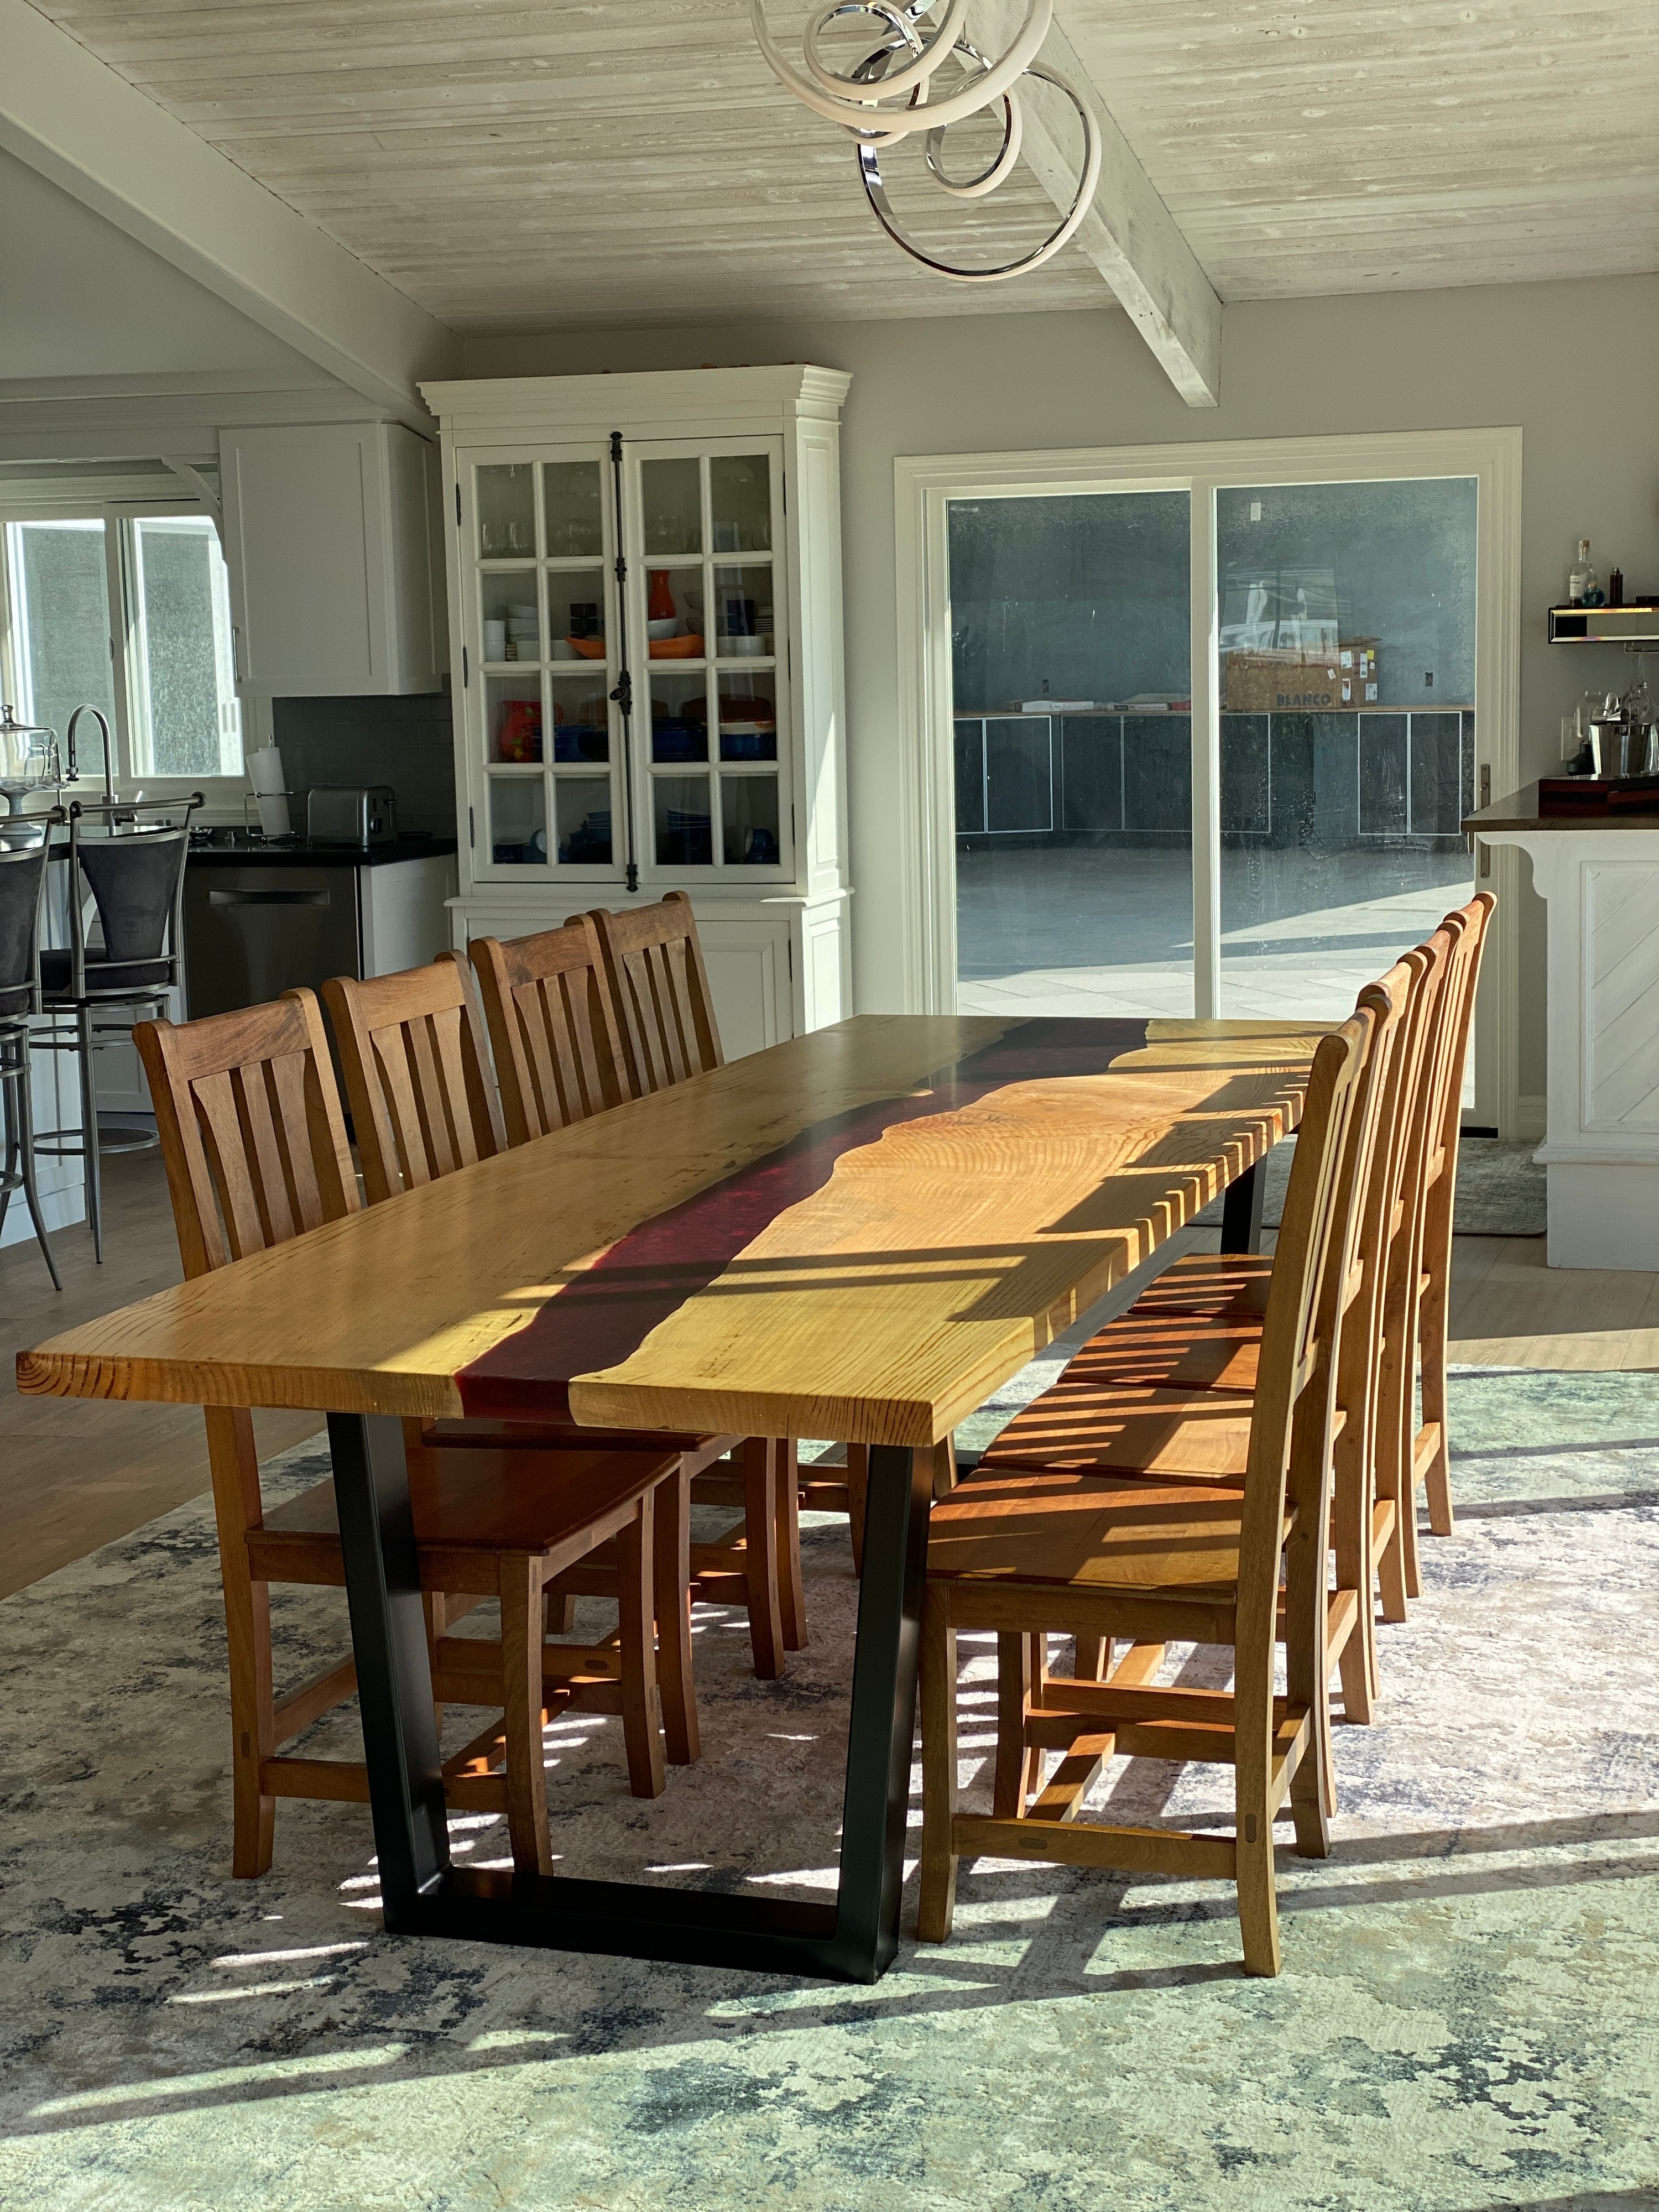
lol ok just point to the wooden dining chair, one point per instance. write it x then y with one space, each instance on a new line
659 989
1175 1397
552 1027
417 1075
553 1022
255 1149
1429 1454
1067 1547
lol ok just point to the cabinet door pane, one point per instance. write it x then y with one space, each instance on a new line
671 498
518 821
743 613
679 717
508 610
583 806
571 495
749 821
582 720
575 614
684 826
740 503
512 712
748 717
507 510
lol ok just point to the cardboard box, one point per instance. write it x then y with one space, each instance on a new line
1290 683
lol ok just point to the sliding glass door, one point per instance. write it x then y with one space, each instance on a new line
1347 630
1212 740
1071 729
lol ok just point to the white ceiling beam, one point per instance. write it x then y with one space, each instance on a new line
1128 232
71 117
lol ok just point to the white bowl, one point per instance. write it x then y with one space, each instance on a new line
562 649
745 648
666 626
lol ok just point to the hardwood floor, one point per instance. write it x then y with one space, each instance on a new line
75 1473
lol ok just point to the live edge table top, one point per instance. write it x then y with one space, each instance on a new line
858 1233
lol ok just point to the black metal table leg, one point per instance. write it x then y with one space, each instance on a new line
1240 1212
422 1894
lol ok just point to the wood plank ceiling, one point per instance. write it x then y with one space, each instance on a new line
602 163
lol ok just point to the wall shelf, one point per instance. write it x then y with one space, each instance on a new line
1626 625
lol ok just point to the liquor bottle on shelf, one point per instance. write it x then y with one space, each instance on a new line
1582 578
1616 587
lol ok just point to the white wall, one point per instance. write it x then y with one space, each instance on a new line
82 299
1573 364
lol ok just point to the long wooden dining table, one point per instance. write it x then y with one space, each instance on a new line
857 1234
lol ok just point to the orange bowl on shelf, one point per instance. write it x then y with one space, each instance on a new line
586 649
676 648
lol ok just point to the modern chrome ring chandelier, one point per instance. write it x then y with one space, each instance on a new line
891 94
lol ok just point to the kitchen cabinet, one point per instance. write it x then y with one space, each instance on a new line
329 531
645 614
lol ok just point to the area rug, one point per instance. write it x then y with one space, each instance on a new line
1465 2020
1501 1189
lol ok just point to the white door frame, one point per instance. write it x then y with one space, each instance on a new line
924 486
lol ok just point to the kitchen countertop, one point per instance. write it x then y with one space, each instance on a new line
1520 812
302 853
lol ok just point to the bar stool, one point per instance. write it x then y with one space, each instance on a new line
22 893
135 876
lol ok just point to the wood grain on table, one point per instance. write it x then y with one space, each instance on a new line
957 1191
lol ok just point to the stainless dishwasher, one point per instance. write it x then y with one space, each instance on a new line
253 933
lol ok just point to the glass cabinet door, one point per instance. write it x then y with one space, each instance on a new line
539 625
711 670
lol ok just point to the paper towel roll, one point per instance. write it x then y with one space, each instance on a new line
264 770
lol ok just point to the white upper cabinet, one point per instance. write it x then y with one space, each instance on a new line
645 612
329 542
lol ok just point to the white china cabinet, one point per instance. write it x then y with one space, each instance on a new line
646 637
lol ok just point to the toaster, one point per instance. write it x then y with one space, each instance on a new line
351 814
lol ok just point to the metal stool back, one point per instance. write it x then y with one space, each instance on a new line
136 875
22 894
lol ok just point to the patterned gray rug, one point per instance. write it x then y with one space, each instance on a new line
1464 2022
1501 1189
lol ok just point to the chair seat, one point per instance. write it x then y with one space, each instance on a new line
1193 1435
1079 1532
102 975
485 1501
1219 1286
14 1001
1180 1351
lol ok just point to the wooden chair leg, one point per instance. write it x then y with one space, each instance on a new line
672 1547
1350 1534
792 1591
936 1907
1018 1765
1258 1905
760 1529
236 1507
522 1713
637 1628
436 1612
857 1490
1093 1659
1437 1475
560 1607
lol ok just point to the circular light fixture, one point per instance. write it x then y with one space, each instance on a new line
900 68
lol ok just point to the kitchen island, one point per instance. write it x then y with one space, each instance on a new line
1599 878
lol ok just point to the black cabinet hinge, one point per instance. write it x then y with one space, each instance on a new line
466 676
471 830
458 506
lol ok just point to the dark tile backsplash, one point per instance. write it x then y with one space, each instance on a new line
408 743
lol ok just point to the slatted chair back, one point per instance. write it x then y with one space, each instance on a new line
659 989
552 1027
251 1128
1429 1444
417 1073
